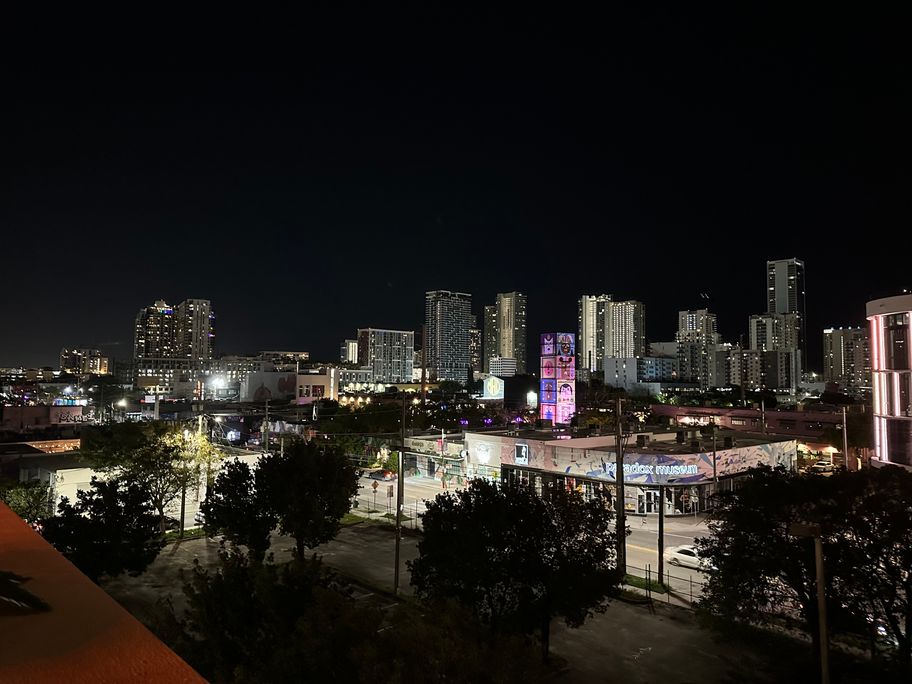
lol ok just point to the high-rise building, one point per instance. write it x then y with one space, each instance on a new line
388 353
697 339
195 330
591 338
155 333
476 348
505 329
489 337
173 344
847 358
83 361
625 329
891 370
776 336
502 366
774 332
348 351
448 317
785 294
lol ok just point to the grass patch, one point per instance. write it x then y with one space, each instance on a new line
351 519
192 533
640 583
392 516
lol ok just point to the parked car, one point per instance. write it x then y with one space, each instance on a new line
823 467
686 556
382 474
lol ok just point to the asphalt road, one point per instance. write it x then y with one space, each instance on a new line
642 543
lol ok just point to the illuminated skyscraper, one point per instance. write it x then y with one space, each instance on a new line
388 353
785 295
476 349
195 330
591 339
155 333
847 358
448 317
625 329
505 330
697 339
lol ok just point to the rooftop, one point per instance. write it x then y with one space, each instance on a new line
86 636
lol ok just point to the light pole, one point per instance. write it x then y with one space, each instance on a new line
805 530
845 440
619 492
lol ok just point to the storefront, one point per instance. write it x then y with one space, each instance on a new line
686 479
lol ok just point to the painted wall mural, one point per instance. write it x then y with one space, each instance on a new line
639 468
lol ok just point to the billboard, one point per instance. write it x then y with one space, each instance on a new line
269 385
493 388
557 398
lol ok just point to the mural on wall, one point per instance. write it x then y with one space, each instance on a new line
645 469
681 468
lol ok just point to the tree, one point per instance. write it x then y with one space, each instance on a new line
758 565
872 570
30 500
249 622
517 558
309 488
761 571
262 622
235 507
110 529
164 459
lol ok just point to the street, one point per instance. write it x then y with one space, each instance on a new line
642 543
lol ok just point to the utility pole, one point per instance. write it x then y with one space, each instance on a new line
661 533
266 426
845 440
619 490
804 530
763 415
400 487
715 475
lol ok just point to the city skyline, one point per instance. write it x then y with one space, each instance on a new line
732 328
321 196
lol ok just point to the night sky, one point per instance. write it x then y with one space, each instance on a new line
660 157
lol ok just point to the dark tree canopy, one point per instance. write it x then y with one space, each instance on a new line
309 487
516 558
110 529
297 622
865 520
31 500
236 508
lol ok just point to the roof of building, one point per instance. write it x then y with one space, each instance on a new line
86 636
19 448
54 462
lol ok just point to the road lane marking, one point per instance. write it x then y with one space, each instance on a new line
641 548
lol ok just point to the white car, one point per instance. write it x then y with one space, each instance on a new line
686 557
